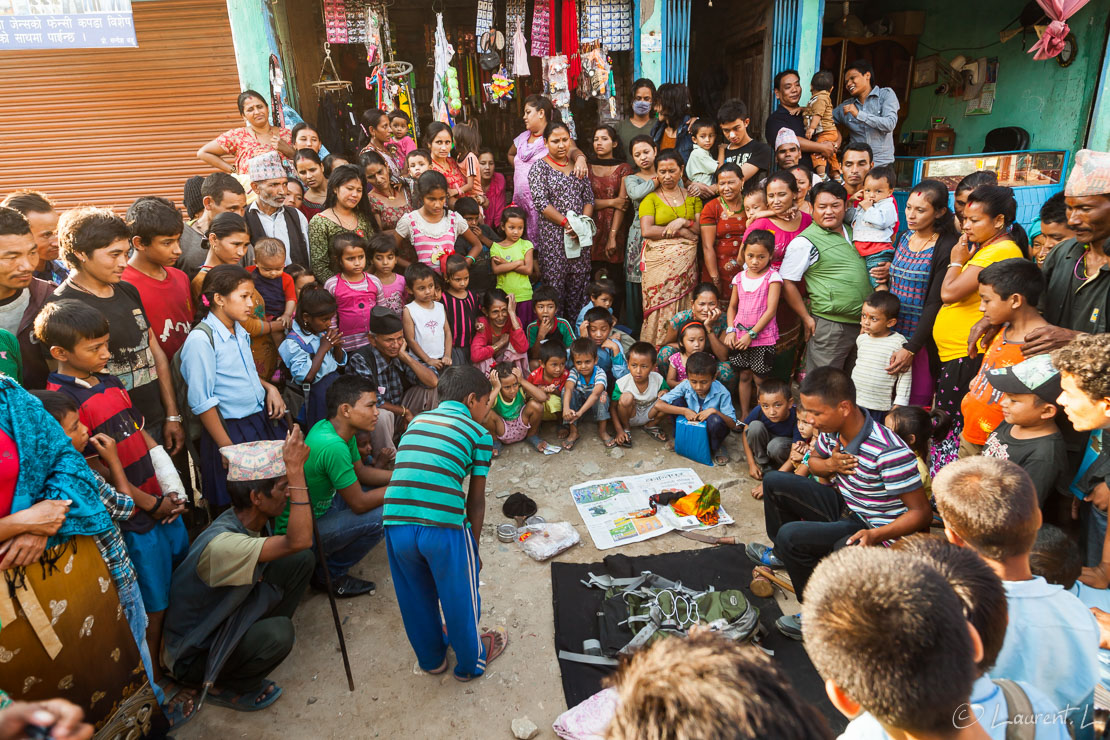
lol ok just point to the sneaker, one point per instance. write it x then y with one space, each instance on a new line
790 625
346 586
763 555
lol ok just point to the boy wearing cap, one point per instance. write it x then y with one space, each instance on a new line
233 572
1028 434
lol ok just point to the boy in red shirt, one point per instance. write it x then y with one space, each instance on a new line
549 378
1009 291
156 228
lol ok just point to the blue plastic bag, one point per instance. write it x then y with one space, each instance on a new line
691 440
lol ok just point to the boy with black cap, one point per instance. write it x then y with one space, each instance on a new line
1028 434
405 385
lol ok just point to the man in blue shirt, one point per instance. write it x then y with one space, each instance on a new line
702 398
871 113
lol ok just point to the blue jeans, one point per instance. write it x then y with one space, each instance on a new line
347 537
1096 534
599 411
133 610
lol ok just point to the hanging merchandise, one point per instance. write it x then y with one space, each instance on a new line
446 100
485 17
277 85
514 17
608 21
501 88
519 52
570 42
542 27
557 88
345 21
596 67
491 44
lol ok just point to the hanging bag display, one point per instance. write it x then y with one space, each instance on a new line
489 59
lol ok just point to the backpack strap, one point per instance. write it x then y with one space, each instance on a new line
306 387
1019 711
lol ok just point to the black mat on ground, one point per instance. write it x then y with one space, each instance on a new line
721 567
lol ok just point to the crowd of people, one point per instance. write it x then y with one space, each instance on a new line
347 342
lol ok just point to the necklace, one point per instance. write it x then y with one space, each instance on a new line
556 163
339 221
729 211
681 196
921 247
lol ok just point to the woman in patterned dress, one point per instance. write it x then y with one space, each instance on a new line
379 138
722 229
608 169
346 209
256 137
388 201
555 193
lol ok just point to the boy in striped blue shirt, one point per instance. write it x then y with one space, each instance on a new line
432 526
876 495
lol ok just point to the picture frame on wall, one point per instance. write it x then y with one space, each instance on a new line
925 71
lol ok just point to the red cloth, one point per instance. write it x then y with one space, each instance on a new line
168 304
570 42
9 472
536 378
482 348
495 192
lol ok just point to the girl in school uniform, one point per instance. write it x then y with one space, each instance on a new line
313 350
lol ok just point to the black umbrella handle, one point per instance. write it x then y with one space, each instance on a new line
331 599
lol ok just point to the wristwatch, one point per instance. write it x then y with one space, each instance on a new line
730 330
753 333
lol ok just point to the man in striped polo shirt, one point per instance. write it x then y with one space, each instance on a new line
876 494
432 526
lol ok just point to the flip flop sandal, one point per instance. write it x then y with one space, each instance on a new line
721 460
175 712
656 433
247 702
568 444
495 641
496 448
627 443
441 669
535 441
609 442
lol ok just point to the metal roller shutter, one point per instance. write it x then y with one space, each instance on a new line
104 126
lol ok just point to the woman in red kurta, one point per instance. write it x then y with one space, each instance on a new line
608 169
722 230
498 335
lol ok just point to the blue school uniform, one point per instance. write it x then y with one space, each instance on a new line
297 352
717 397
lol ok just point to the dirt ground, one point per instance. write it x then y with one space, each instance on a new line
392 699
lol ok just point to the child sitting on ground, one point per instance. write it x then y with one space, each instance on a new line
889 637
692 338
77 337
770 428
1009 291
599 327
705 157
919 429
278 291
1027 434
461 306
877 391
876 221
512 262
700 397
497 335
482 277
752 330
585 393
1052 640
602 292
639 390
549 376
425 321
356 291
313 351
429 543
516 411
820 125
548 324
798 463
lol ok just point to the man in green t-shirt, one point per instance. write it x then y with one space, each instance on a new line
350 523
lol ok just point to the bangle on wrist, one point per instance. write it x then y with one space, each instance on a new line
955 264
299 503
297 488
175 418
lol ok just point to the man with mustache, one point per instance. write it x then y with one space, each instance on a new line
21 294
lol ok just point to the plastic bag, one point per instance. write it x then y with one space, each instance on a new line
691 440
542 541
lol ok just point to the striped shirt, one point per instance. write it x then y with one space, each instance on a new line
875 388
440 448
462 314
886 470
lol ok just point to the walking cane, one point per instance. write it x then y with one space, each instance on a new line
327 583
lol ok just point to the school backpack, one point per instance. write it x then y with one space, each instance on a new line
638 611
190 422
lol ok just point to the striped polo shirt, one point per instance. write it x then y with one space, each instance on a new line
438 450
887 469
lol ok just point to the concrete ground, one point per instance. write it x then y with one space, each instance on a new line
392 699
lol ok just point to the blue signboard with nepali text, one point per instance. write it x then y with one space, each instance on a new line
65 24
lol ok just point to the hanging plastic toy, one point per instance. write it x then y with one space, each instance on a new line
502 86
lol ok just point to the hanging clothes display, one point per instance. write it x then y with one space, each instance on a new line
444 90
610 22
556 86
514 17
542 28
569 45
519 52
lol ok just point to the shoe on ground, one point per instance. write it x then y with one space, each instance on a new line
346 587
763 555
790 625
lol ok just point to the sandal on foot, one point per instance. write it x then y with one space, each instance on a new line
564 431
441 669
627 443
609 442
720 459
496 448
656 433
175 710
251 702
568 444
538 444
494 642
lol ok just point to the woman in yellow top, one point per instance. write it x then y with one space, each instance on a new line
988 237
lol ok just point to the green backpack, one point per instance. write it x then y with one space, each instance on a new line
638 611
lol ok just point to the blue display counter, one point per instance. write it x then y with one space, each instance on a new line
1034 175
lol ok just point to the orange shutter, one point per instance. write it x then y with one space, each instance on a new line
104 126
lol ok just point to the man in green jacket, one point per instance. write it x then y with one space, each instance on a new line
835 278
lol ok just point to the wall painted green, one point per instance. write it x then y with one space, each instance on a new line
1051 102
252 29
651 39
809 41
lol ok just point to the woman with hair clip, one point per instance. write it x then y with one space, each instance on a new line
916 274
388 200
256 136
986 239
345 209
379 138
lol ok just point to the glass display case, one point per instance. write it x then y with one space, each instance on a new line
1035 176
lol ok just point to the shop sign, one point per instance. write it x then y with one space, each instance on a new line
66 24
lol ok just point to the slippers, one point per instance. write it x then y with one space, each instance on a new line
656 433
496 448
251 702
609 442
568 444
538 444
441 669
626 443
175 710
720 459
494 642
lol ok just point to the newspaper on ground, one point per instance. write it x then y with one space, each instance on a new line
617 512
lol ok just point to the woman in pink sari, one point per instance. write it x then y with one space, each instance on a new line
529 148
785 222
